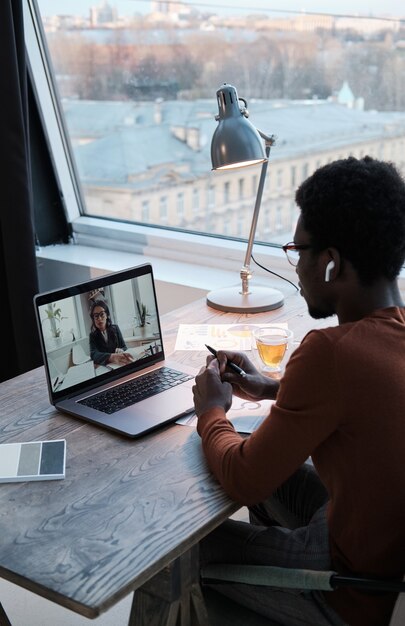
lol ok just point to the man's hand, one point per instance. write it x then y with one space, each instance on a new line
254 386
209 390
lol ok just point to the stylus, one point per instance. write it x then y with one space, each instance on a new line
229 364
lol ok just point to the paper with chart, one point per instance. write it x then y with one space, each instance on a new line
219 336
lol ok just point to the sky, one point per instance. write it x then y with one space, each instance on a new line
393 8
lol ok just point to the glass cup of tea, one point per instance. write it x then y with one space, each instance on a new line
272 343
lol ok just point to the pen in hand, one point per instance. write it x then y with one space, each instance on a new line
232 366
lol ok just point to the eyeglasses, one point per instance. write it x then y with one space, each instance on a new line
100 316
292 251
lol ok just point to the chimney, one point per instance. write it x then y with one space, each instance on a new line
158 113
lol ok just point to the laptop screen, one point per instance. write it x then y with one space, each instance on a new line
99 330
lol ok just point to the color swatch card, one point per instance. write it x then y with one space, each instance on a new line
32 460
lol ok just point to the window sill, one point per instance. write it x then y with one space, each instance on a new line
185 266
191 249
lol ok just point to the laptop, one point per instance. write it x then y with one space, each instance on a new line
103 354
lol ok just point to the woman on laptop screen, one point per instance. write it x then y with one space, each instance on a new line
107 344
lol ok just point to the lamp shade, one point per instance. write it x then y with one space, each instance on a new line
236 142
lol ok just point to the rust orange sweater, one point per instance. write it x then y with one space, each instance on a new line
341 401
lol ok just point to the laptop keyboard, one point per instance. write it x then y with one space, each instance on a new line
129 393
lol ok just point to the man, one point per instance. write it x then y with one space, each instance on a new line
341 401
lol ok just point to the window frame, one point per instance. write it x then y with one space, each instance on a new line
49 108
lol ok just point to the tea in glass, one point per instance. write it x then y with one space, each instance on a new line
272 343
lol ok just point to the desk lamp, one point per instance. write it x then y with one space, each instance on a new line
237 143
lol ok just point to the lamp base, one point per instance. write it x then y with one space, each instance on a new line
231 300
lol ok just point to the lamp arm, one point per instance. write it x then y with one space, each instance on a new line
269 140
245 272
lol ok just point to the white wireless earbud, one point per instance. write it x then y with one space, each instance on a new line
328 270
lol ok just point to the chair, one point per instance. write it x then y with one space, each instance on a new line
270 576
79 356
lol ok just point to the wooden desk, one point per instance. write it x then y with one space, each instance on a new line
129 514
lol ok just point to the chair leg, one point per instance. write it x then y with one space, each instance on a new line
4 621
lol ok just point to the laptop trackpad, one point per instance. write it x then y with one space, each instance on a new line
168 404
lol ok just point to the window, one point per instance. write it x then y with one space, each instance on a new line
227 198
241 187
196 201
145 212
137 98
211 197
163 208
267 222
240 225
293 216
254 185
227 225
278 224
180 205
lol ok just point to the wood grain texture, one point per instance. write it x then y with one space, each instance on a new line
127 508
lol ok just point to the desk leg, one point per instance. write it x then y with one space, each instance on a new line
173 597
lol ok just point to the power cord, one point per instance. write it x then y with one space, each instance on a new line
266 269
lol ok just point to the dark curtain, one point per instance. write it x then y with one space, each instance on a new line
18 270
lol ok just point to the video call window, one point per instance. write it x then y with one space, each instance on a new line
96 332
